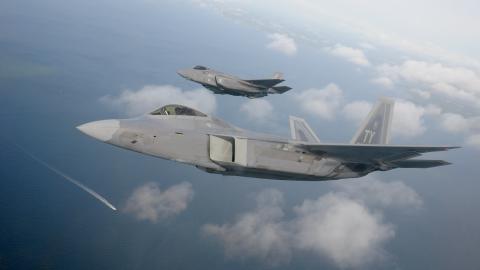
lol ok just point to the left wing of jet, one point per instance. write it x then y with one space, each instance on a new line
397 155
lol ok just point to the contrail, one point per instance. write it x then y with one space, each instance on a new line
70 179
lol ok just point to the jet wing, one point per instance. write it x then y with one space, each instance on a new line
372 153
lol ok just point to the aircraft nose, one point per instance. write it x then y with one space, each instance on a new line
102 130
183 73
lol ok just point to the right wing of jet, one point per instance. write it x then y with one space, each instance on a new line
397 155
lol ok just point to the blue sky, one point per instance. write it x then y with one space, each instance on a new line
63 64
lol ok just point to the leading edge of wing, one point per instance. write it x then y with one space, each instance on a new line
372 152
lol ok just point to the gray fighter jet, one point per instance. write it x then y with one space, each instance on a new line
186 135
224 84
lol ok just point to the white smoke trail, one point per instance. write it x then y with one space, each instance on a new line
70 179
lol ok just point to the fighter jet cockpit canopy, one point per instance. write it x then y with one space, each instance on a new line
200 68
174 109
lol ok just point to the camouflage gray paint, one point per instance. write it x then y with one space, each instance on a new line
179 133
224 84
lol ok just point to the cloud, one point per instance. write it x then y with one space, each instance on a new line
282 43
148 202
259 110
383 81
376 193
454 123
458 83
408 118
352 55
258 234
341 229
355 18
151 97
474 140
458 124
420 93
346 226
357 110
321 102
367 46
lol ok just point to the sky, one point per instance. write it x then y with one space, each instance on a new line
64 64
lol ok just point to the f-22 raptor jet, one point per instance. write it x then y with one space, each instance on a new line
225 84
186 135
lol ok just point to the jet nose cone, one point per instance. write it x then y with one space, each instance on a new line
101 130
183 73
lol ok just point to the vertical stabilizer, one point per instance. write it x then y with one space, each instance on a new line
277 75
301 131
375 129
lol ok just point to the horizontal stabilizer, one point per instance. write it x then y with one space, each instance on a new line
412 163
279 89
267 83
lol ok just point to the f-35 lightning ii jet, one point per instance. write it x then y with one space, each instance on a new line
186 135
224 84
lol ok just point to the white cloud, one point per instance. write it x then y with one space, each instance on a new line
374 192
352 55
258 234
151 97
408 119
341 229
321 102
450 85
457 83
148 202
340 226
366 45
282 43
454 123
259 110
458 124
383 81
357 110
420 93
474 140
316 19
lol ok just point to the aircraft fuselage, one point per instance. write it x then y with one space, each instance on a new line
217 147
224 84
